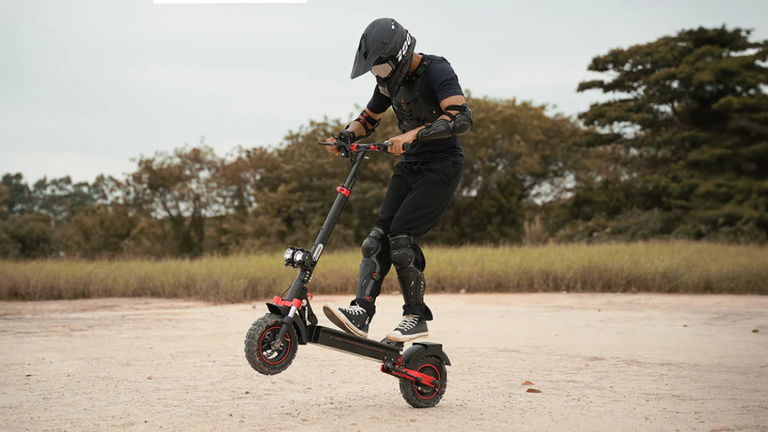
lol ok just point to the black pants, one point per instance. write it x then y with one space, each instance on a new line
417 196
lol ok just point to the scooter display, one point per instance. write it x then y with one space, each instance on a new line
272 341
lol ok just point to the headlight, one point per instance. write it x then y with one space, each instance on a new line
288 256
298 257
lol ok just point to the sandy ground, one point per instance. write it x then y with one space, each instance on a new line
603 362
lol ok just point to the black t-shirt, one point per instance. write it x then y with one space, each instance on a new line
441 82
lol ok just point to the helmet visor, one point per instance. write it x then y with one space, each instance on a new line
383 70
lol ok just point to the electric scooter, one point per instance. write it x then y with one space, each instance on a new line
272 341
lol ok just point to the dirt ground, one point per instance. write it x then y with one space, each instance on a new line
603 362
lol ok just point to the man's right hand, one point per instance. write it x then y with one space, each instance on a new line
332 149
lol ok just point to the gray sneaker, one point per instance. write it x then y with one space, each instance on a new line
410 328
352 319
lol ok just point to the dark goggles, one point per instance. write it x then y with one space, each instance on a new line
383 70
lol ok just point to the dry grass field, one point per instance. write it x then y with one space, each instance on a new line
666 267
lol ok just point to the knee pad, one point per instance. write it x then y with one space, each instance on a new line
373 267
408 260
405 252
401 250
372 243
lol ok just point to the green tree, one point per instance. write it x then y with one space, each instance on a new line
683 141
99 230
8 247
244 179
60 198
515 156
16 200
179 189
30 235
4 196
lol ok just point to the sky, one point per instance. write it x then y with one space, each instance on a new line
88 85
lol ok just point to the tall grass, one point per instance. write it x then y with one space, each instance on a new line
669 267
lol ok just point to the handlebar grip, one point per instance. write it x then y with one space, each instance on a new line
387 144
406 146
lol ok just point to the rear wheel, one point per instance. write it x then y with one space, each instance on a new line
422 396
259 352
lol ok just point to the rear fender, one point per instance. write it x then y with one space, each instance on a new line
420 349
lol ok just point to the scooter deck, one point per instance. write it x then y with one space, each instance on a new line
368 348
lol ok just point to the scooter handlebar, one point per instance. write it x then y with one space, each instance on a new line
357 147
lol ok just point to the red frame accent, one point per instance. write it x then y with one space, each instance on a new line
344 191
413 375
280 302
416 391
353 147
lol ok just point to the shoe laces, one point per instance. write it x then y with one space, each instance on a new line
408 322
354 310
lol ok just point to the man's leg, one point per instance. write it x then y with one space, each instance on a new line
410 263
375 263
432 188
418 213
374 267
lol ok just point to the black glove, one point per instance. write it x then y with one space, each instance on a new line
346 136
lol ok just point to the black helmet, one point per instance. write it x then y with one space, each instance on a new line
385 49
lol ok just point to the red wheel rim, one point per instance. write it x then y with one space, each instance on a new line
286 347
434 391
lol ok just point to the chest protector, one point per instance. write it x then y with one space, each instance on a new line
415 103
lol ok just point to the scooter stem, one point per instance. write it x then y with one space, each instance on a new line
338 205
323 236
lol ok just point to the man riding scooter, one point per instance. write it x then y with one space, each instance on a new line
424 92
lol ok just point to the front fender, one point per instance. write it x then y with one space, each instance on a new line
280 310
298 324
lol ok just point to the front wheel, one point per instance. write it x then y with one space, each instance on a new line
259 352
421 396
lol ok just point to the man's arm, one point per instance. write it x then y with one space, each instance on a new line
364 124
452 111
456 120
361 127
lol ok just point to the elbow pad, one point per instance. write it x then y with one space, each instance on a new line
367 122
459 124
462 122
369 125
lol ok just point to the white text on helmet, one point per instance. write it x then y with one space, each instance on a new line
405 46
